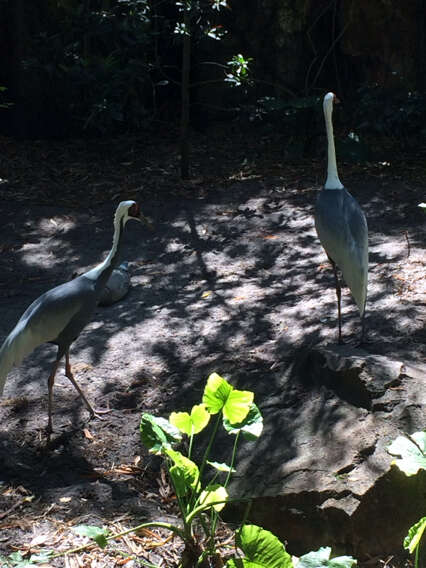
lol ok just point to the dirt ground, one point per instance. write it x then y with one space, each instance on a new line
232 279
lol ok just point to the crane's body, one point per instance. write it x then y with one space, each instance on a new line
59 315
342 228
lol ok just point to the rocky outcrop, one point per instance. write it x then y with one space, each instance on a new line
320 473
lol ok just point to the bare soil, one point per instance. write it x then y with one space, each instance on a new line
232 280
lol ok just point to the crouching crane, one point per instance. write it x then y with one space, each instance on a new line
342 228
59 315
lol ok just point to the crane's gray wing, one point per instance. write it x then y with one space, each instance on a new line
342 228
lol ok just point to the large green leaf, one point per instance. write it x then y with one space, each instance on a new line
191 423
184 473
220 395
411 452
156 432
214 494
97 534
262 548
414 536
321 559
216 393
251 427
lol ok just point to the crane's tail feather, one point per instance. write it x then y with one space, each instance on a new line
17 345
7 360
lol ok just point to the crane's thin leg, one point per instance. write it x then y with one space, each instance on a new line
362 339
339 296
70 376
50 384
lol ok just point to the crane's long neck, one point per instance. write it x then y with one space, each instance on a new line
102 272
332 181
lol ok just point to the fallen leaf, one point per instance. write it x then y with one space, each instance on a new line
65 499
38 540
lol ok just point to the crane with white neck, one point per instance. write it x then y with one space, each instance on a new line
342 228
60 314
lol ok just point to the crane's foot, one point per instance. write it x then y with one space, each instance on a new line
99 412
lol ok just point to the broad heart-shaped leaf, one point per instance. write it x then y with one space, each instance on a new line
251 427
321 558
95 533
414 536
412 455
220 395
156 432
216 393
214 494
184 473
191 423
262 548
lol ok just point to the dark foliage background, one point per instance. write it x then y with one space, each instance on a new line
108 67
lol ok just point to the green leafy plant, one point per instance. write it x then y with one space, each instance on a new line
202 499
411 452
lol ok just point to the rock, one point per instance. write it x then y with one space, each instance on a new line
320 474
117 286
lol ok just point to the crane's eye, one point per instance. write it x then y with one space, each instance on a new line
134 210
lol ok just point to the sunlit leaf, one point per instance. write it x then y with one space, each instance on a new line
414 536
237 406
216 393
262 548
220 395
97 534
411 452
321 558
214 494
251 427
184 473
191 423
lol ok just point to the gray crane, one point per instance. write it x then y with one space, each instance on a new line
59 315
342 228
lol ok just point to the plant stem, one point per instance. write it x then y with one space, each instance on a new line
210 444
234 453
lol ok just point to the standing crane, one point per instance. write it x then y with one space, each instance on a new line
60 314
342 228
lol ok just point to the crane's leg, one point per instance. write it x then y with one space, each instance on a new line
50 384
70 376
339 296
362 338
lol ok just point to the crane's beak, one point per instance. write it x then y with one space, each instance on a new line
336 100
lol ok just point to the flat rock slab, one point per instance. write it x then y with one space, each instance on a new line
320 473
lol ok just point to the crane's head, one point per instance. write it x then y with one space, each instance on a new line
127 210
329 100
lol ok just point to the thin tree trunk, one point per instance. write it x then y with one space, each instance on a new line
186 68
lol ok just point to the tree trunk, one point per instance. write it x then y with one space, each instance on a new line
186 68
